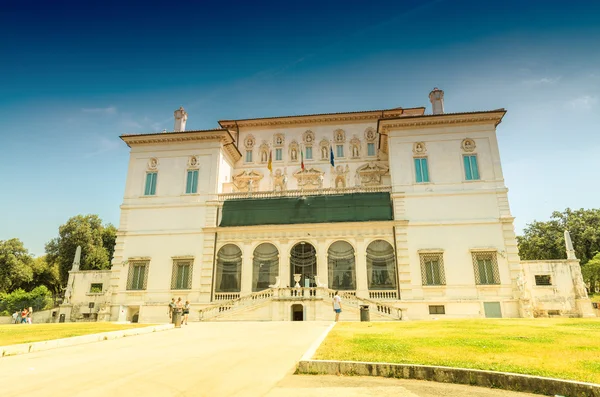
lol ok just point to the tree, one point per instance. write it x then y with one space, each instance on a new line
591 273
39 299
45 274
96 241
545 240
15 265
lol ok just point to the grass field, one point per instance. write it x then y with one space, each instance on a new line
24 333
558 348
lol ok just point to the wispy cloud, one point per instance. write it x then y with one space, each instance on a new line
107 110
104 145
584 102
542 81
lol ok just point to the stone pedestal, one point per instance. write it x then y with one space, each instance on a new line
584 307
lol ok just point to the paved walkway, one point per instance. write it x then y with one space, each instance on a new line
219 359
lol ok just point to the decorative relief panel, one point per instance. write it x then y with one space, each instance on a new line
278 140
370 174
370 135
324 149
249 142
339 136
153 164
193 162
419 148
355 147
247 181
309 178
468 145
341 176
294 151
279 180
308 138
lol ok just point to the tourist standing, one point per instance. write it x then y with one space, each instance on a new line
337 305
171 308
24 316
16 317
29 315
186 312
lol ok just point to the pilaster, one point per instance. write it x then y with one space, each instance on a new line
362 289
246 282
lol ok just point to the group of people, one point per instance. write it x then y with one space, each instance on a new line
180 308
22 317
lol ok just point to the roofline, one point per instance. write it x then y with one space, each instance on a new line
172 132
374 114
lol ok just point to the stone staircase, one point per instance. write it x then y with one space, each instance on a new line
241 308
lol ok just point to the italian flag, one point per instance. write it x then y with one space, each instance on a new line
302 159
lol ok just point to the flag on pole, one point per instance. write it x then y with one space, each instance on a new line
331 158
302 159
270 163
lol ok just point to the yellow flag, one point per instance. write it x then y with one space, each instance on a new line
270 163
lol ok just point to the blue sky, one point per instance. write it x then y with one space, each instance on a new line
76 75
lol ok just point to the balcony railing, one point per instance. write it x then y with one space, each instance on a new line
303 192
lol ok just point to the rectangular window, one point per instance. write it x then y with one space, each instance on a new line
192 182
471 169
96 288
138 276
150 184
248 156
278 154
309 153
437 309
421 170
370 149
486 268
340 151
543 279
432 268
182 275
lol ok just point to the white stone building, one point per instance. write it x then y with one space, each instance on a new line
263 219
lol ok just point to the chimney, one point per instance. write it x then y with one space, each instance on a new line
180 119
436 97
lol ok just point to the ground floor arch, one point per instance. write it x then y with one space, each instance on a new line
303 264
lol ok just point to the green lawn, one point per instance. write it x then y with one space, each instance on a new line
24 333
558 348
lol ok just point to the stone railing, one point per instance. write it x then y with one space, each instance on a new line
377 295
303 192
382 308
235 303
226 296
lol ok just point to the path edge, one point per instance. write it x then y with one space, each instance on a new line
25 348
465 376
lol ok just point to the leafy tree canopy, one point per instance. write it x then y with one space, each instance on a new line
15 265
545 240
96 240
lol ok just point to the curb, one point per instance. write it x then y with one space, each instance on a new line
313 348
473 377
24 348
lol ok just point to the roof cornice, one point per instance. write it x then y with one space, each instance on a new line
433 120
323 118
220 135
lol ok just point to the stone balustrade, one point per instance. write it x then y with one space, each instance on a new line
304 192
377 295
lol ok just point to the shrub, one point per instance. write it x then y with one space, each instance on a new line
39 298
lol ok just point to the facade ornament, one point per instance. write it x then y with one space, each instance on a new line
153 164
339 136
309 178
419 148
193 162
247 181
249 141
279 180
468 145
370 174
324 145
341 174
264 152
294 151
370 135
308 137
278 140
355 147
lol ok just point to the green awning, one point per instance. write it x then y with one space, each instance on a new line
357 207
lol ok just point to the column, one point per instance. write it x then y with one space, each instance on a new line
284 263
362 288
246 270
322 269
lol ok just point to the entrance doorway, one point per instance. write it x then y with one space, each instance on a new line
303 261
297 312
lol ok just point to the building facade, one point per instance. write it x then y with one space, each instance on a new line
401 211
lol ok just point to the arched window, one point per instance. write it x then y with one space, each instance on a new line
381 265
303 261
265 266
341 264
229 269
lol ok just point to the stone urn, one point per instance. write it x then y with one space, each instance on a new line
297 280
